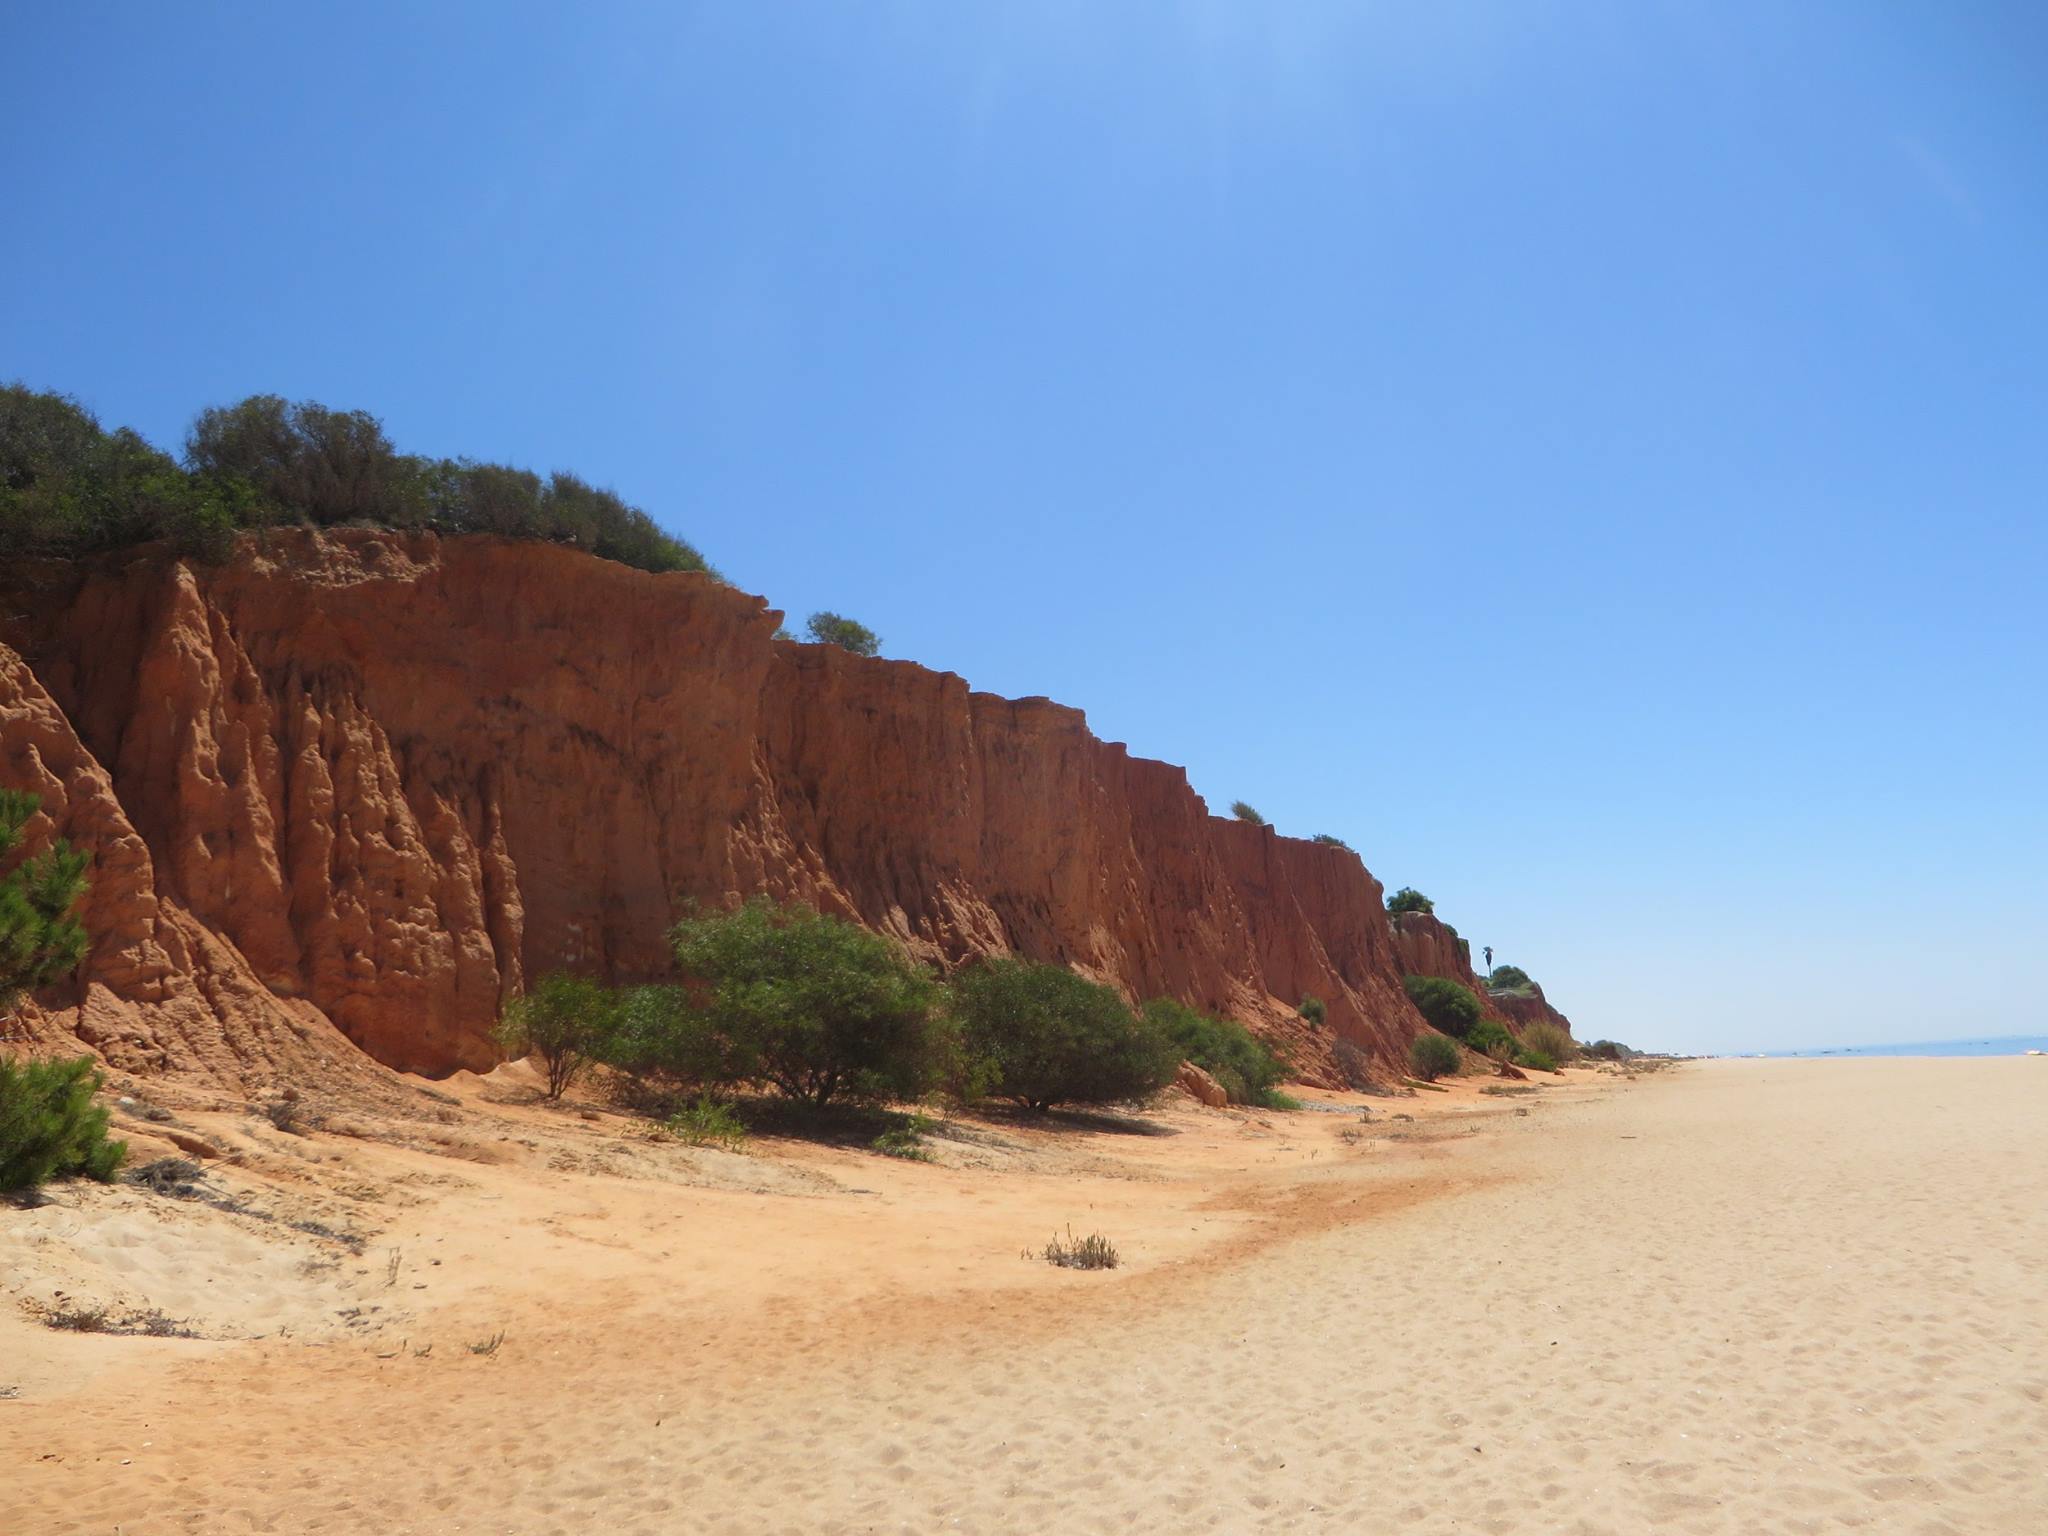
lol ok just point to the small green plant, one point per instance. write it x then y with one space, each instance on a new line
829 628
1508 978
50 1126
1432 1057
1273 1098
1244 812
1535 1060
1331 840
39 941
707 1123
1313 1010
1408 899
1446 1005
907 1139
1091 1252
567 1021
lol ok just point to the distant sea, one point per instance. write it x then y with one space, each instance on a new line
2003 1045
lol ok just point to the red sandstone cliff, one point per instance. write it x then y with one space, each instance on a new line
367 782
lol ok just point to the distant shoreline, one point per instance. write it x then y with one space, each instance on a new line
1996 1045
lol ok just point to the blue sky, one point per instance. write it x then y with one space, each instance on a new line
1594 458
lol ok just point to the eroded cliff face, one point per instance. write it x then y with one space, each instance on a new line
365 783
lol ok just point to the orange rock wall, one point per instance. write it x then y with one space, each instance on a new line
368 782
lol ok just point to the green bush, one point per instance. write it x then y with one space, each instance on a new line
1223 1048
1331 840
39 940
1535 1060
50 1128
1244 812
326 465
816 1005
707 1123
1490 1038
69 488
1313 1010
1052 1037
1508 978
849 635
1432 1056
1408 899
1550 1040
567 1021
1273 1098
665 1047
1446 1005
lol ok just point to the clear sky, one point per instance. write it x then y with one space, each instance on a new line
1593 458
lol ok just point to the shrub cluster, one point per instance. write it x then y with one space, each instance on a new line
1246 813
1247 1070
1508 978
68 487
825 1011
1331 840
1608 1050
1313 1009
1446 1005
1408 899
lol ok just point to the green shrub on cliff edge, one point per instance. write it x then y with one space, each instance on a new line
1245 812
70 488
1508 978
828 628
1408 899
1446 1005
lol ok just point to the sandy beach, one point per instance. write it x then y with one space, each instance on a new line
1732 1297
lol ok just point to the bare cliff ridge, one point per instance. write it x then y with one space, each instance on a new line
354 786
